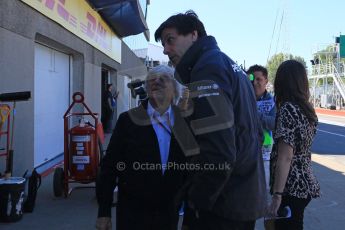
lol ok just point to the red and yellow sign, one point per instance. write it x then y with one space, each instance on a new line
79 18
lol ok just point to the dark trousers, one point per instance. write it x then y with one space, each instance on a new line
209 221
107 121
297 207
133 219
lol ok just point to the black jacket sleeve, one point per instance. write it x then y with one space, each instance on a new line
106 180
217 147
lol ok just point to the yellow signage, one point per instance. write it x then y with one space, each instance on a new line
79 18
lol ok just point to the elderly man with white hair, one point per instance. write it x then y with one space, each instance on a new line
138 159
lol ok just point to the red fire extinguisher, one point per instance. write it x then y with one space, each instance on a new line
83 151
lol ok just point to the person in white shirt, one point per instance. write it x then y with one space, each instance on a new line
138 159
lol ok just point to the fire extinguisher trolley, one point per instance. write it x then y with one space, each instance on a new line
81 150
5 112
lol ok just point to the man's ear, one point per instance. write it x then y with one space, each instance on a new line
195 35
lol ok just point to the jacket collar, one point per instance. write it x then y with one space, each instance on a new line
192 55
152 111
265 96
140 116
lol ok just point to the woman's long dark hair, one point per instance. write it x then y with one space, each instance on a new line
291 85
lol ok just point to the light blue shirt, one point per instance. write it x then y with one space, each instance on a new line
161 124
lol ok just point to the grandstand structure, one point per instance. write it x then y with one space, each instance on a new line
327 77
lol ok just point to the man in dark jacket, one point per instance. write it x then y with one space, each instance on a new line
139 157
228 189
266 110
265 101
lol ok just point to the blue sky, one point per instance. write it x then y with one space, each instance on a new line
243 28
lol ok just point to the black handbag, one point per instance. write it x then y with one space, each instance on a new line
34 182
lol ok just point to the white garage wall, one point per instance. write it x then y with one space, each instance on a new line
51 100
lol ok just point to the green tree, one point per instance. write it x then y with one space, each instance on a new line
276 60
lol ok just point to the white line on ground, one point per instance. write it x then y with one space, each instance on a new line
330 121
333 162
327 115
337 134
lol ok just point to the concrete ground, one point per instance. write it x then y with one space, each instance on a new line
79 210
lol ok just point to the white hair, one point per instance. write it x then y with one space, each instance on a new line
161 70
169 72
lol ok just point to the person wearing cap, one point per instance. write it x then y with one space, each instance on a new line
138 159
